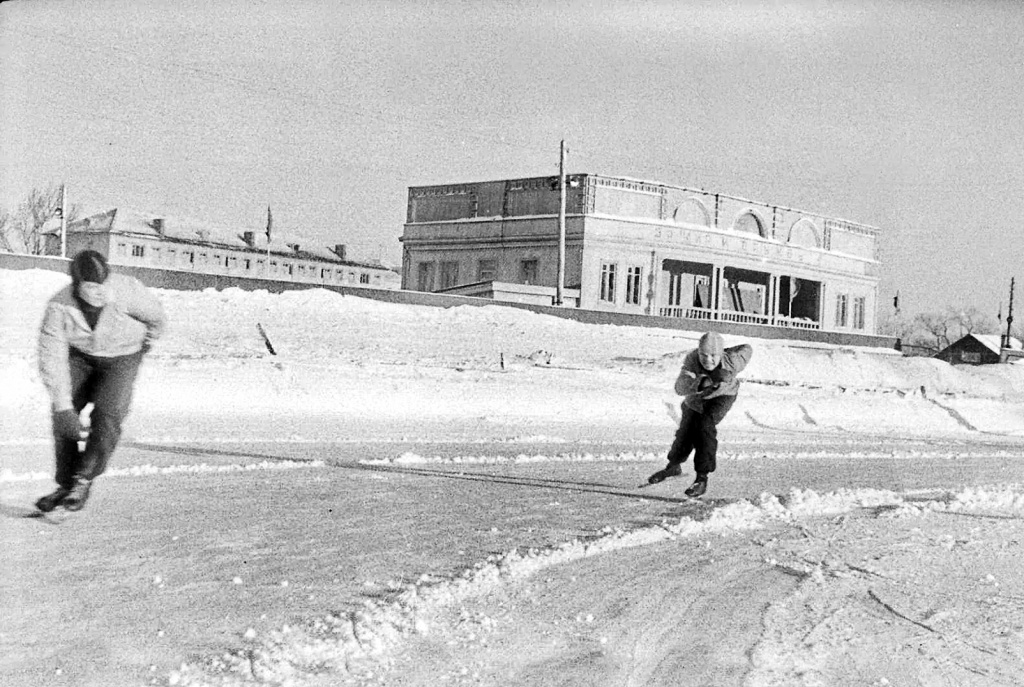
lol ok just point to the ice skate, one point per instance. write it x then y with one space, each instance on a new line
670 470
699 486
79 494
52 500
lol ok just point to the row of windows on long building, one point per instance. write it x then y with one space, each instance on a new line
261 266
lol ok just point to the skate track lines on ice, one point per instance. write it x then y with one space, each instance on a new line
412 462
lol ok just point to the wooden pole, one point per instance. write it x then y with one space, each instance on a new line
559 287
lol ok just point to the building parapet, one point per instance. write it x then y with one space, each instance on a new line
577 185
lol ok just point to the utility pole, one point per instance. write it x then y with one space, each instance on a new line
63 220
559 287
1009 316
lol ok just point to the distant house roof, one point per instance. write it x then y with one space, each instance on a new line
125 221
993 342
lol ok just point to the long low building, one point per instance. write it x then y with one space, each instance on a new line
127 237
645 248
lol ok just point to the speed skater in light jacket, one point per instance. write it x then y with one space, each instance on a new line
94 334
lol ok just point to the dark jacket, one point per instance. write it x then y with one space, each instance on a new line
696 384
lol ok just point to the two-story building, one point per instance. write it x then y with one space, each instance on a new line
645 248
131 238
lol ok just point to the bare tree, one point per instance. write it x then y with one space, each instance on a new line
972 321
5 226
23 230
933 329
897 326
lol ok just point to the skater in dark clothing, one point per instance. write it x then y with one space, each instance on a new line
94 334
708 385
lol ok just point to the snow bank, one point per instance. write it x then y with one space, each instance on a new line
338 358
361 642
316 325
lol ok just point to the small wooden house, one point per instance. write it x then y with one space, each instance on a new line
977 349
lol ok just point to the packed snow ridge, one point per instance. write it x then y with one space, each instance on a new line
360 643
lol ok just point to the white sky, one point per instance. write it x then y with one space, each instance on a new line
909 116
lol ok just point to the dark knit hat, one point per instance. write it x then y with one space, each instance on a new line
90 266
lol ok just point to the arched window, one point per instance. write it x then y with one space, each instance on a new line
805 233
749 223
692 211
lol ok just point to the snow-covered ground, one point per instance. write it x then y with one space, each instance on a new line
405 495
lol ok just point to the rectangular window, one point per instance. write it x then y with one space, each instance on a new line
449 274
608 282
528 271
859 306
841 304
970 357
122 249
364 278
633 285
486 270
138 251
425 276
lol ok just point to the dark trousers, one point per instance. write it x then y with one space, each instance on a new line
698 432
107 383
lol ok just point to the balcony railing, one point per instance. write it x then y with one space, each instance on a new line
689 313
781 321
743 317
738 317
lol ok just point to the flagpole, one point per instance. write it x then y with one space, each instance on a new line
1009 315
63 221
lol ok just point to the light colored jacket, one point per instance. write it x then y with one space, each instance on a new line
722 381
132 316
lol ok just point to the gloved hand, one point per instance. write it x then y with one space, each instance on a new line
66 425
707 387
723 376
